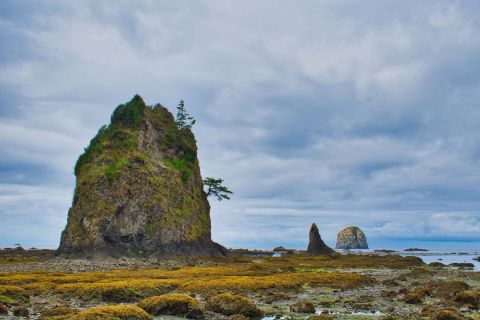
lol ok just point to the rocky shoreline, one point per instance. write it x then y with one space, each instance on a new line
342 286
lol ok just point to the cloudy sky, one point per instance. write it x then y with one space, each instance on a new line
336 112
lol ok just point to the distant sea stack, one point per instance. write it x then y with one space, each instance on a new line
139 191
316 246
351 238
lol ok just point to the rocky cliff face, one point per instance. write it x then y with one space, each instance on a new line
351 238
139 191
316 246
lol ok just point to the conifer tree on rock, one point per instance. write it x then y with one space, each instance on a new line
183 119
217 189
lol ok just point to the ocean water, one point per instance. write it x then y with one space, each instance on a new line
444 256
447 257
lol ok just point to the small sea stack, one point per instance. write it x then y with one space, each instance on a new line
351 238
316 246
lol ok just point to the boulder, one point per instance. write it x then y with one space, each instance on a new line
302 307
3 310
467 265
175 304
58 311
351 238
21 311
448 314
139 191
316 246
230 304
468 297
113 312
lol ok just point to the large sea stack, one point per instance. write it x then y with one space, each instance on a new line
316 246
351 238
139 191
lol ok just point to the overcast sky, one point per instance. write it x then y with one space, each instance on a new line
336 112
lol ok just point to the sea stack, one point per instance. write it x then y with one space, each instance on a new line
351 238
316 246
139 191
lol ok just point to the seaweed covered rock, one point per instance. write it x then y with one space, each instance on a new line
230 304
139 191
468 297
21 311
61 311
448 314
3 310
322 317
316 246
120 312
13 293
351 238
302 307
174 304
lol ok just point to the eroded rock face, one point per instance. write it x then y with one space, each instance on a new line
351 238
139 191
316 246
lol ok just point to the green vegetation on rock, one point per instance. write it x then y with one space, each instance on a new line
217 189
139 189
183 119
6 299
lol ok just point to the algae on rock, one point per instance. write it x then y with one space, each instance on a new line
139 191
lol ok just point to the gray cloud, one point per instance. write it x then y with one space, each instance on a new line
335 112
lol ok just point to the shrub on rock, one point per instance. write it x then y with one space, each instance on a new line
302 307
113 313
172 304
230 304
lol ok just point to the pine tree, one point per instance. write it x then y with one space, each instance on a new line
215 188
183 120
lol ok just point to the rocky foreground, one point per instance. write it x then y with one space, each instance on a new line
35 285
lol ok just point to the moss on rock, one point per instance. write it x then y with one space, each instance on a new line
468 297
230 304
139 191
58 312
173 304
122 312
448 314
14 293
302 307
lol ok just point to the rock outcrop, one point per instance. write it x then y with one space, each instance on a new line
351 238
139 191
316 246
